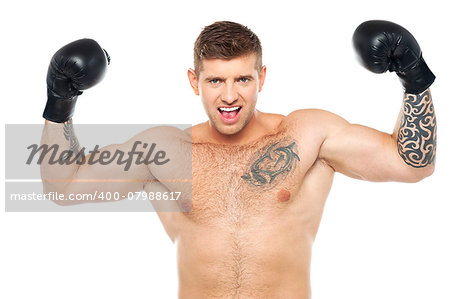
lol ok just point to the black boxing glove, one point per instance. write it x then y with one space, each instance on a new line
75 67
383 45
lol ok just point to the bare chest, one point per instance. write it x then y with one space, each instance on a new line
234 183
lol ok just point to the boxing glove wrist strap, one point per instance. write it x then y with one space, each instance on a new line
417 79
59 110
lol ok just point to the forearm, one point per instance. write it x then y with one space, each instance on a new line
59 154
415 131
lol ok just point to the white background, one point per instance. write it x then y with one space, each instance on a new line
377 240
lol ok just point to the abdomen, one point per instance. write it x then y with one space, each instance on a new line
265 259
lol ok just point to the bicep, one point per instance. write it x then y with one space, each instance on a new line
114 168
364 153
145 157
360 152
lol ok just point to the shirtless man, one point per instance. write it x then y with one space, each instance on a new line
259 180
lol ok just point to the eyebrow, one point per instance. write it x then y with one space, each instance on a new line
221 78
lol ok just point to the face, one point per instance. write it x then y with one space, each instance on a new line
229 90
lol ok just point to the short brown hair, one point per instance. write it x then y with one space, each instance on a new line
226 40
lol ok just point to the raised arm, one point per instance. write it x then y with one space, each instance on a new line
65 167
408 154
153 157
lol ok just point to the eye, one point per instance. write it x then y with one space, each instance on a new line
214 81
244 79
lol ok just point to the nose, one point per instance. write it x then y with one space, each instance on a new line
229 94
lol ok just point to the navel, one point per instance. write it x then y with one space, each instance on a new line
284 195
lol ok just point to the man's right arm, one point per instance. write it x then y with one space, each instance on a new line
120 169
97 173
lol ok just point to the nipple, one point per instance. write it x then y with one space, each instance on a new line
284 195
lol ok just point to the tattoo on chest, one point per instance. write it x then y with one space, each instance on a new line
275 161
417 132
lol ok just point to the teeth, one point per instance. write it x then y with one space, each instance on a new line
228 109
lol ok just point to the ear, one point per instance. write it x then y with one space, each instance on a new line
262 77
193 80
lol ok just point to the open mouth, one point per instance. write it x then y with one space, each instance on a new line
229 114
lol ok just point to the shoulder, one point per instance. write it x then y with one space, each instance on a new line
164 135
314 120
311 115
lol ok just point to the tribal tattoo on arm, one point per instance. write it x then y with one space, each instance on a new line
70 136
275 161
416 140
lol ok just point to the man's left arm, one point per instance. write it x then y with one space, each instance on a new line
406 155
